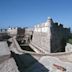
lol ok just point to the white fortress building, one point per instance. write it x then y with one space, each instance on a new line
50 36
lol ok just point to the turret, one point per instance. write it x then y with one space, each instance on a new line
49 22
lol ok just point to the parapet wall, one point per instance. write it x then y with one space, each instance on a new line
12 31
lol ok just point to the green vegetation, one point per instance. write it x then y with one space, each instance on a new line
70 41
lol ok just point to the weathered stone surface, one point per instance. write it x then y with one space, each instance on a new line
8 65
4 50
68 47
49 62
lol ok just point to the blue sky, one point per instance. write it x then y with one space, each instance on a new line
31 12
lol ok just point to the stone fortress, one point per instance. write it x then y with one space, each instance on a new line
50 37
43 48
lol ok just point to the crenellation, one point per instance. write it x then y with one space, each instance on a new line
12 31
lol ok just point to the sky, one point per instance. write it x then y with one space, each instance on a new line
27 13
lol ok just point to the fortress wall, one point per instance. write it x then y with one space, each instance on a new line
28 31
41 37
12 31
58 38
3 30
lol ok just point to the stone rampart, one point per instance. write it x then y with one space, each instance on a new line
64 56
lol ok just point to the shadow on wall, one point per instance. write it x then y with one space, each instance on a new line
27 63
63 43
4 36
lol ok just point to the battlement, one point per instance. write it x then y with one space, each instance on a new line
43 27
12 31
